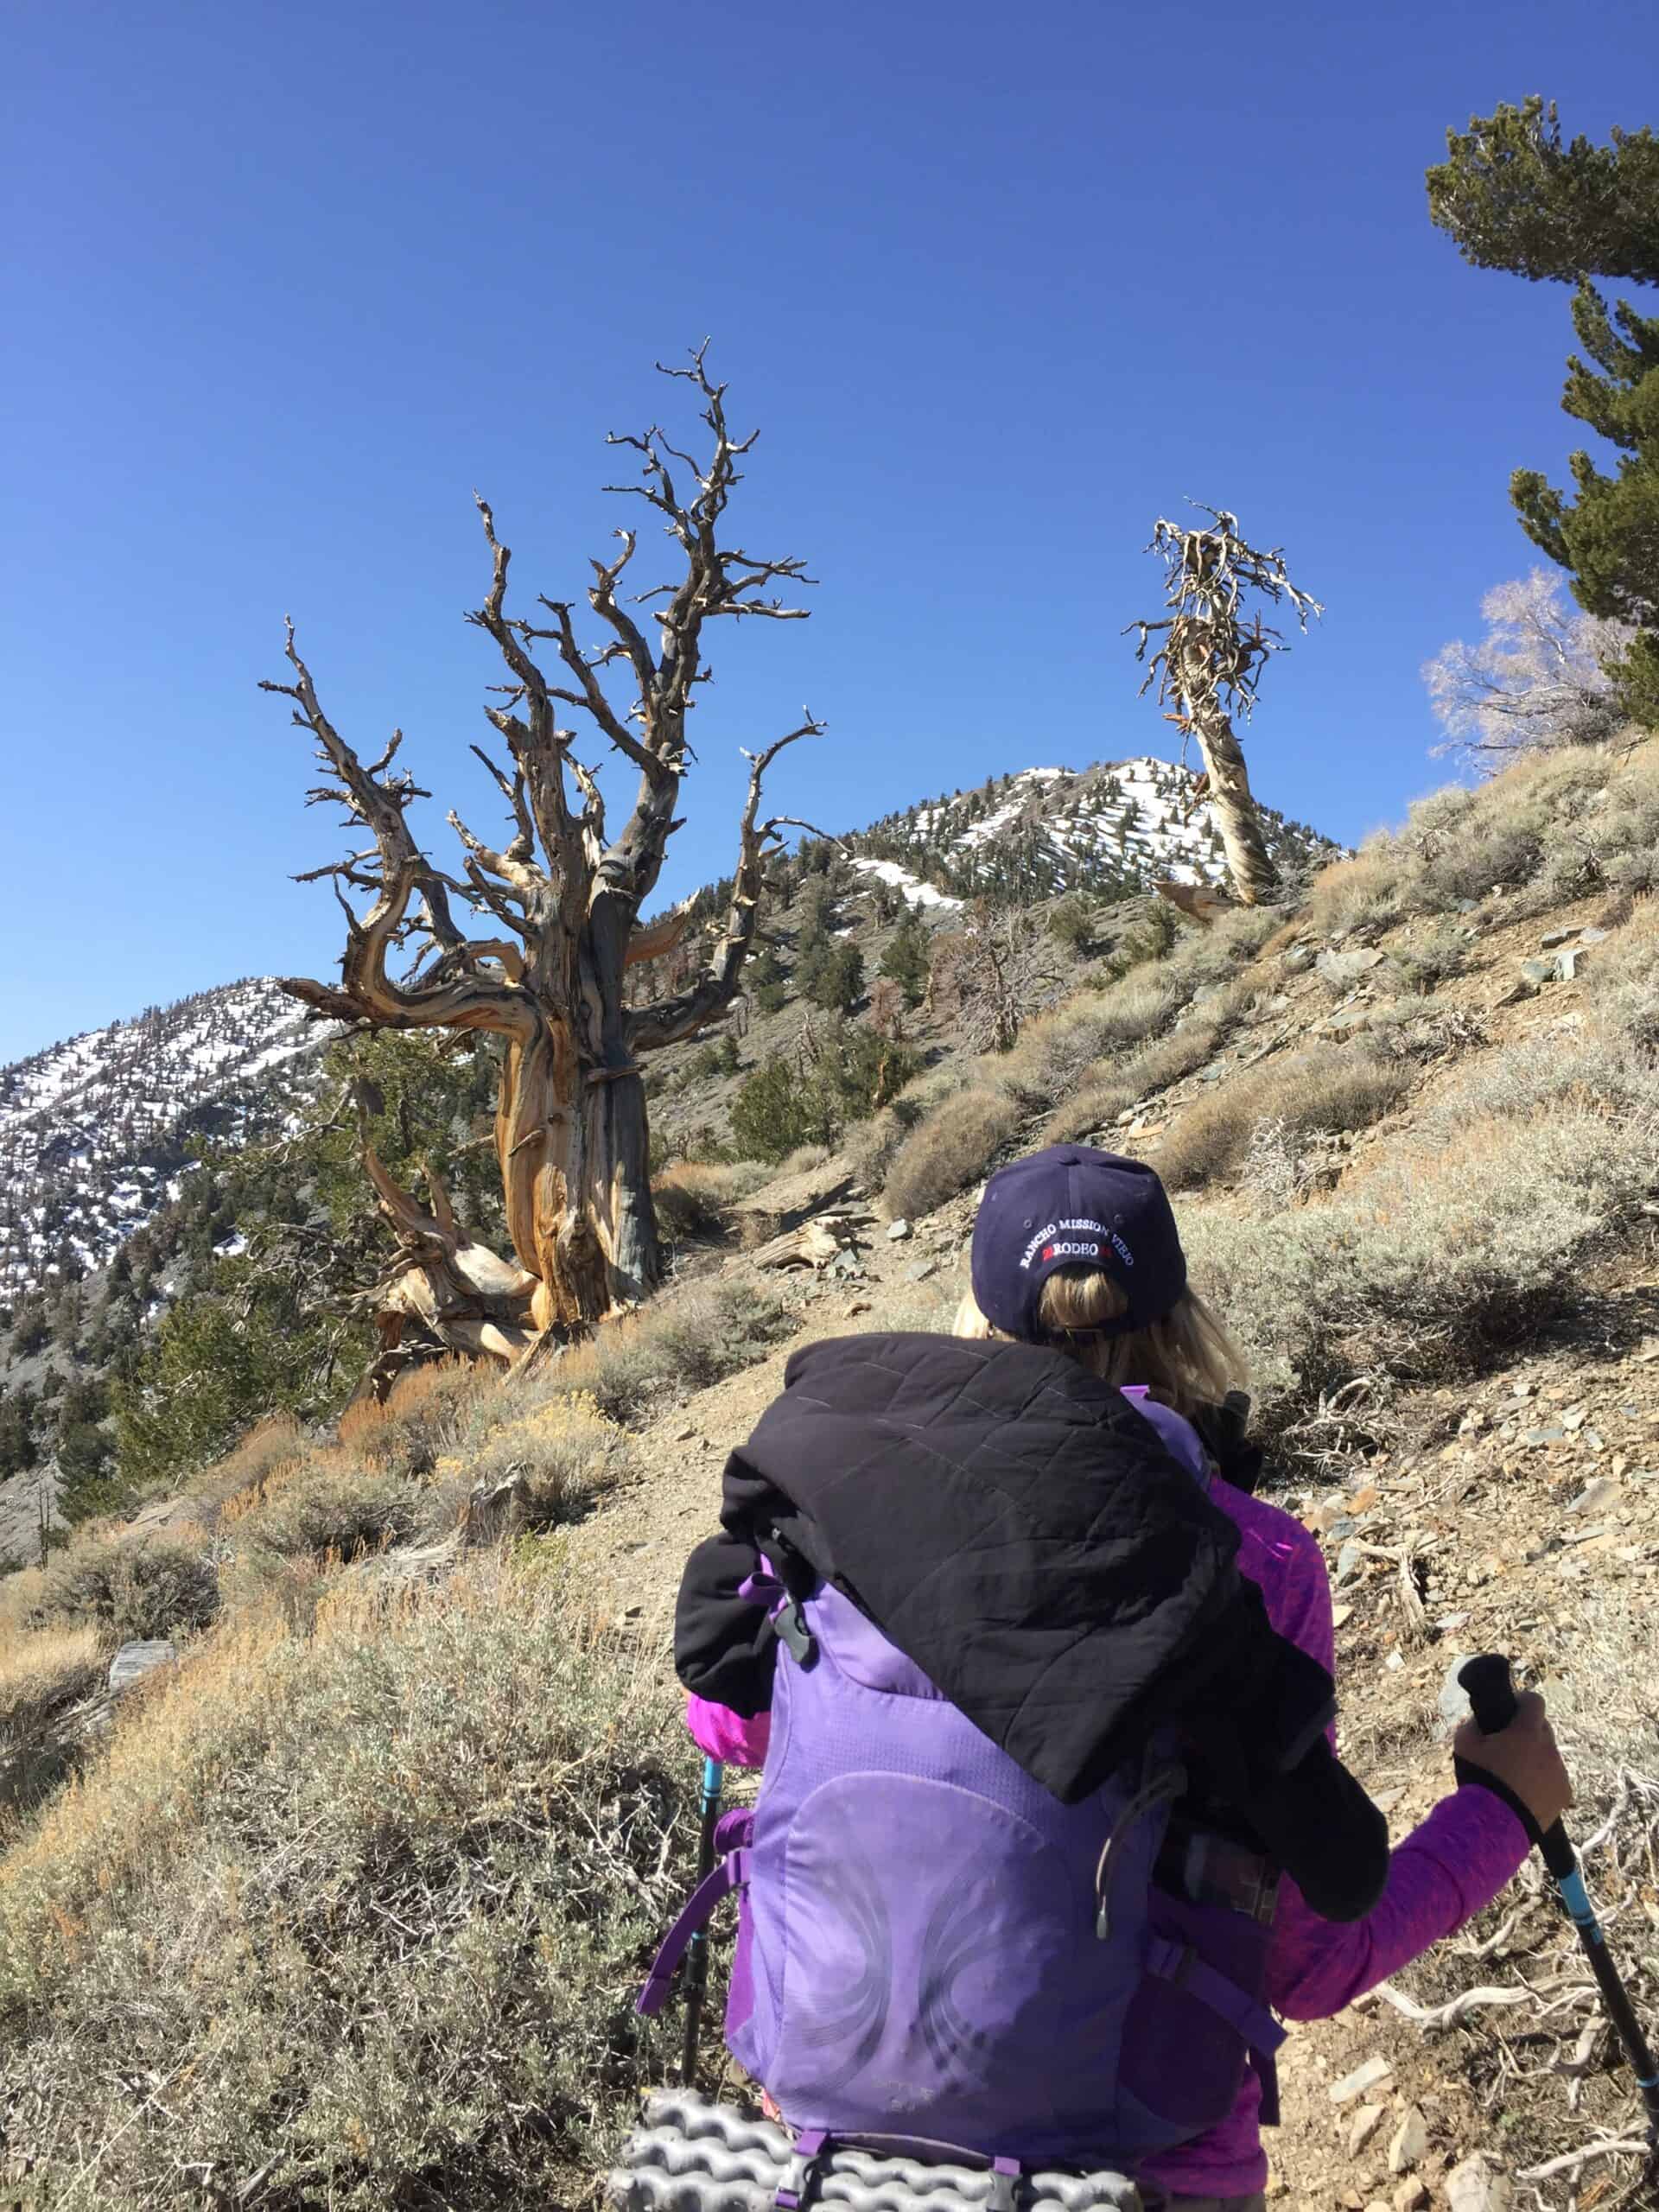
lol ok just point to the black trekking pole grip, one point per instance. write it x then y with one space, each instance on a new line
1490 1692
1491 1695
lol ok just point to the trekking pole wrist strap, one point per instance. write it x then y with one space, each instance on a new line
1466 1771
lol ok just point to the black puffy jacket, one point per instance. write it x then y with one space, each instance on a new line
1018 1530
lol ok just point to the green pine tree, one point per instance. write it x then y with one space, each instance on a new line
907 956
1513 196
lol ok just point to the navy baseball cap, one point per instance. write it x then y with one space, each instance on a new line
1068 1207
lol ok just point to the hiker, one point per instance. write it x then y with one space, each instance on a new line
1053 1822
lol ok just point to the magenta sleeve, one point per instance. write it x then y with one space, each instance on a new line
1444 1872
720 1733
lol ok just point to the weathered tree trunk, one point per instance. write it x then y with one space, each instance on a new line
1250 864
1209 663
574 1144
571 1132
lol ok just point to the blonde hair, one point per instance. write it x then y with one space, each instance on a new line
1187 1357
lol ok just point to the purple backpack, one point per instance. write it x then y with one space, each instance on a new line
935 1949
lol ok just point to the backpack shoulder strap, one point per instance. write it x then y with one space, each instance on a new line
1180 1439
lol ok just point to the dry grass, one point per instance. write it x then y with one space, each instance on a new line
951 1151
557 1451
1334 1088
1096 1105
1363 890
42 1674
419 1418
161 1586
19 1594
1525 1165
678 1344
695 1198
380 1898
331 1513
1085 1061
276 1441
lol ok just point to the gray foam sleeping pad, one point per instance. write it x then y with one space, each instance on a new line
689 2155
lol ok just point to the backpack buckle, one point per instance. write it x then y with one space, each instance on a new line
792 1633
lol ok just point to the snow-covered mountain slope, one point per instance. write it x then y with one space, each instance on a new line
95 1132
1108 830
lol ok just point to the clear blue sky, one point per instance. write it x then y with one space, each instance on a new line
282 283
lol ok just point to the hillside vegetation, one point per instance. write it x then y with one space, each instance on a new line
347 1906
182 1198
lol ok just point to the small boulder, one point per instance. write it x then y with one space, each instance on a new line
1538 972
897 1231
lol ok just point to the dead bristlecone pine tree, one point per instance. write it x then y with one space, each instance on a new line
1207 666
561 899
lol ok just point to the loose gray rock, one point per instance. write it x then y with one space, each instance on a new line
897 1231
1477 2186
1363 2078
1567 963
1551 938
1594 936
1347 1564
1346 968
134 1661
1539 971
1361 2128
1410 2142
922 1270
1348 1021
1455 1708
1600 1494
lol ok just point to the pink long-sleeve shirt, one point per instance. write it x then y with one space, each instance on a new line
1444 1872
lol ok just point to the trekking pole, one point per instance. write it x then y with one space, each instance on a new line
697 1963
1491 1695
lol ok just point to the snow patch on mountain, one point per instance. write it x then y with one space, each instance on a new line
915 891
98 1131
